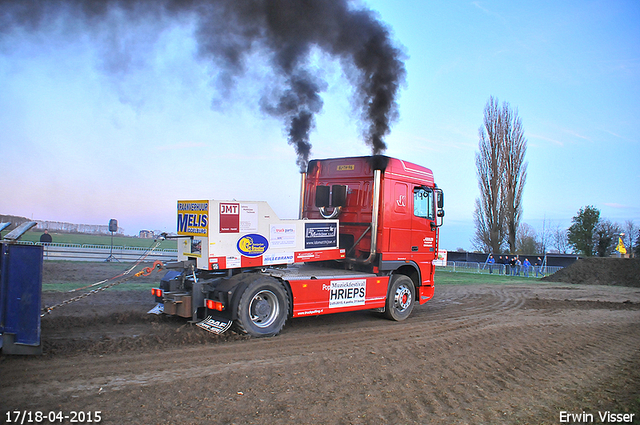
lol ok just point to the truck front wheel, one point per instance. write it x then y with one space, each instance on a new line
401 298
262 308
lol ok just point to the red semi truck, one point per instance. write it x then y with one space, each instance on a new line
366 238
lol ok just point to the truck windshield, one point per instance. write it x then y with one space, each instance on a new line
423 203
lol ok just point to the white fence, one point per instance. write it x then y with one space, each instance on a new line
78 252
498 269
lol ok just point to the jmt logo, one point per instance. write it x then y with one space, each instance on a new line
229 209
229 218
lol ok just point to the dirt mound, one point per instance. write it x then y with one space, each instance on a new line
600 271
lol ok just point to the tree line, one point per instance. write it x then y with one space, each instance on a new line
502 171
589 235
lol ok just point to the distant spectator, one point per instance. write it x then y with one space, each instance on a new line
46 237
507 265
526 265
538 267
518 265
512 266
491 262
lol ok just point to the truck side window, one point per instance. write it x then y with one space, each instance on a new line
423 203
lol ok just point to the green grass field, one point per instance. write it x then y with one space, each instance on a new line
126 286
82 239
442 278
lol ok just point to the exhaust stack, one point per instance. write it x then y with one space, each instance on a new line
373 227
303 184
377 178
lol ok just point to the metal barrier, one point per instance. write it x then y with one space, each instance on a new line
498 269
82 252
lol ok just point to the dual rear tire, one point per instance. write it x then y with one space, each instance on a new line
263 308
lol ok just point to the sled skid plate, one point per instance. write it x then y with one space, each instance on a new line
158 309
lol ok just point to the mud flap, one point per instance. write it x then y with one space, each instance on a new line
158 309
215 325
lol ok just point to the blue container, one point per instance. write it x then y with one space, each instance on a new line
20 298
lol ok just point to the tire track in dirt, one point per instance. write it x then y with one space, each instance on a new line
471 355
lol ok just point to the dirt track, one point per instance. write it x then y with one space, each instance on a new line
477 354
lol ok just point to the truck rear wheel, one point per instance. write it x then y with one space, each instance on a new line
401 298
262 308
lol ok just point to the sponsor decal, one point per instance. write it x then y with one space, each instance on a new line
248 217
306 256
238 218
320 235
229 217
344 293
233 261
193 218
305 313
282 258
252 245
327 254
283 236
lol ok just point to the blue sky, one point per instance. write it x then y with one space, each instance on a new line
85 139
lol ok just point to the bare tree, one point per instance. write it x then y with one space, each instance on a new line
630 232
501 172
527 242
490 165
560 239
515 146
606 237
545 237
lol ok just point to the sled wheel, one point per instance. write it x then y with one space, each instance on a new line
401 297
262 308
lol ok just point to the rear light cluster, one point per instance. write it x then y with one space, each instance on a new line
156 292
214 305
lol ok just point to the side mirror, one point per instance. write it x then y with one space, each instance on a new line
440 206
440 200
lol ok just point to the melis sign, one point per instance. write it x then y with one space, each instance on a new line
193 218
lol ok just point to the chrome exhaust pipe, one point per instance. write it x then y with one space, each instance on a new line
377 180
303 184
377 183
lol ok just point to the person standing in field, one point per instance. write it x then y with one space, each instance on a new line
46 238
538 267
526 265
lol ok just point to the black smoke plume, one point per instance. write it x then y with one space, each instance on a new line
229 32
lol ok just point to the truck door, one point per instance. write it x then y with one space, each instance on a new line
423 232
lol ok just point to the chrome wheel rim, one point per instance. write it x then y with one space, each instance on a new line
402 298
264 309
